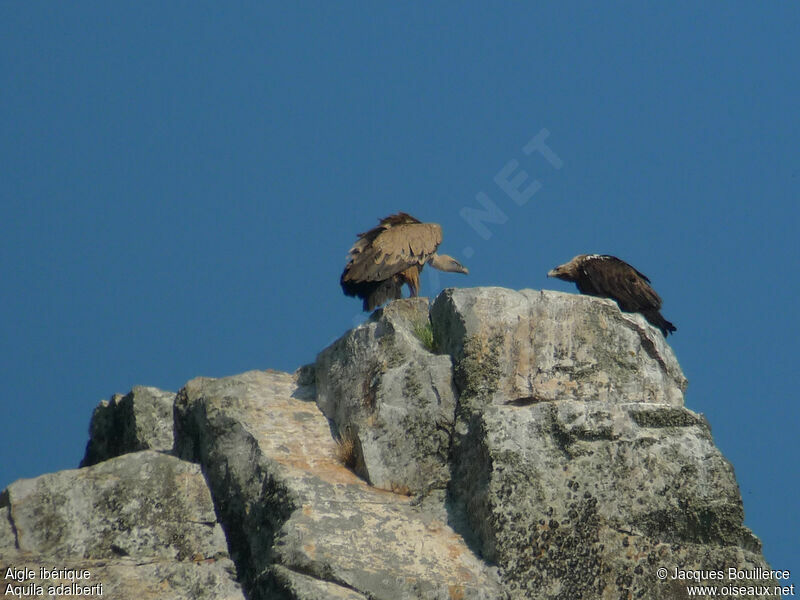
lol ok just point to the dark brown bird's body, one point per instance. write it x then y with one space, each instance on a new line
390 255
607 276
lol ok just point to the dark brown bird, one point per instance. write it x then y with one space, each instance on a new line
609 277
391 254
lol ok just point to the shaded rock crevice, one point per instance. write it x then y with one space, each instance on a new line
9 537
139 420
284 583
251 504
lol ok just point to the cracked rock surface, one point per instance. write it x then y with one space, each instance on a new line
142 524
139 420
392 397
501 445
574 461
294 513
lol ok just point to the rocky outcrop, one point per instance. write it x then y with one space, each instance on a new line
140 525
390 397
295 515
139 420
543 345
576 464
501 445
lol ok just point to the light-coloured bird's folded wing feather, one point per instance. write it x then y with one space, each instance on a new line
393 251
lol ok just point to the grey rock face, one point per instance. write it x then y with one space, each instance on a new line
574 462
391 397
139 420
299 524
125 520
549 451
544 345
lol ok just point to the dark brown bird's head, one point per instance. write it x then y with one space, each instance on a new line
568 271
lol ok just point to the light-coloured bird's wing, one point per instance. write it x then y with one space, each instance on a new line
392 251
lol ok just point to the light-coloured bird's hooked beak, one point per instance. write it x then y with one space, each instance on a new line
553 272
457 267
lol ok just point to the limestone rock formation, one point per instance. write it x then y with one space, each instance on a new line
574 460
293 513
546 345
139 420
391 397
142 525
536 446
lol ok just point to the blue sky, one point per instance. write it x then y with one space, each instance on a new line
181 182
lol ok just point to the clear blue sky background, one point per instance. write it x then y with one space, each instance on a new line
181 182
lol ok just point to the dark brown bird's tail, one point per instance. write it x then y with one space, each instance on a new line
654 318
391 289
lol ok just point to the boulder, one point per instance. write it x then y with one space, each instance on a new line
390 397
141 525
139 420
545 345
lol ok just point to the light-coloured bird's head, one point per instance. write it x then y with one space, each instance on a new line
568 271
443 262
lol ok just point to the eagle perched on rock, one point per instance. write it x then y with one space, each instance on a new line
609 277
392 254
